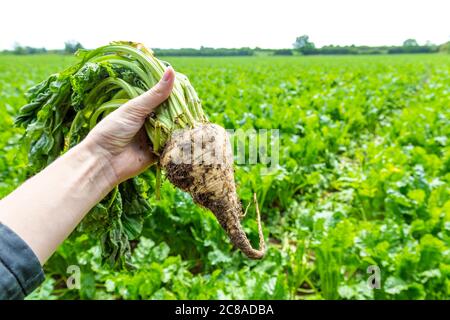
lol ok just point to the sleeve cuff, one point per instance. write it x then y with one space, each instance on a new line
20 270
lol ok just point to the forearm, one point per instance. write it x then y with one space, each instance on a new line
48 207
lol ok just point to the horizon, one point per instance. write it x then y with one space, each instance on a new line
266 24
251 48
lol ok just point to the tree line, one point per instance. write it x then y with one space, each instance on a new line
302 46
70 47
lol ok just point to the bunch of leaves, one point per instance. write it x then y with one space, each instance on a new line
62 109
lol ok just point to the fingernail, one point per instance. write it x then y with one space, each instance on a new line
167 74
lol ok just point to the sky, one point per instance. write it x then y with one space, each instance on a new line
222 23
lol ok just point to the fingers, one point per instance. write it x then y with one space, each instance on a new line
140 107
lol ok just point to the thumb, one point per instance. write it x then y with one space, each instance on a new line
140 107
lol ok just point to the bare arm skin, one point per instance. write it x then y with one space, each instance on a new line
45 209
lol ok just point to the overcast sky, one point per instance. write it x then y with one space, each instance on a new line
222 23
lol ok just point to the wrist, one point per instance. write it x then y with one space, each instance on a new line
97 165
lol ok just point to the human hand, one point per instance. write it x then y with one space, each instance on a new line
120 137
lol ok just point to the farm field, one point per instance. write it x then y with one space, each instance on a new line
362 188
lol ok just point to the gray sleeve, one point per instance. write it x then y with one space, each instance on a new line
20 270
